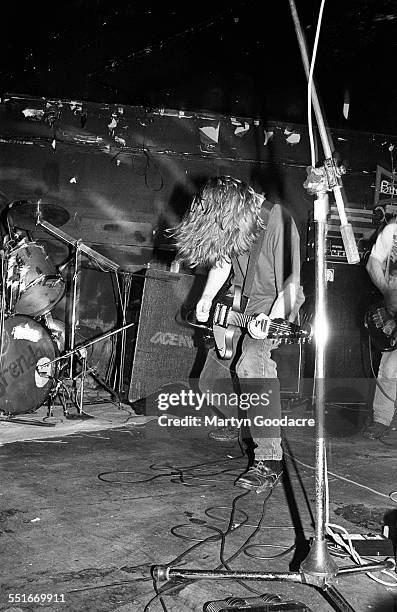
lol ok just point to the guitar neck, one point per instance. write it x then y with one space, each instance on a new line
242 320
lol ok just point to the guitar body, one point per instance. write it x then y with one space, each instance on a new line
224 340
382 327
226 317
222 328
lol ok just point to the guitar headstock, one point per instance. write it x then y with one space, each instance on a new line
289 333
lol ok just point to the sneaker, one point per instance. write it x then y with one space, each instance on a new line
375 431
262 476
390 436
224 434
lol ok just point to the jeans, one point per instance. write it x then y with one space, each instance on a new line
253 374
383 407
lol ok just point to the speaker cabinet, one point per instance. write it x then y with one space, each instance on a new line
350 292
166 349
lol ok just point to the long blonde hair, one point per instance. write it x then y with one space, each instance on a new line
223 220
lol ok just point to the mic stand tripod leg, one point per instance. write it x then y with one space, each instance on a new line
81 356
102 383
164 573
60 392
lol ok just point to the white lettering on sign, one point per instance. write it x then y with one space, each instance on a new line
387 187
168 338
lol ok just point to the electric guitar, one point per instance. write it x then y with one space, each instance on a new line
225 318
382 327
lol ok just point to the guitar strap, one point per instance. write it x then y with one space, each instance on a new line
254 256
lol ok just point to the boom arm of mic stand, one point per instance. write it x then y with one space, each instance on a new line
326 141
84 346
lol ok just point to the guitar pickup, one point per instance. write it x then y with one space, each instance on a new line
221 314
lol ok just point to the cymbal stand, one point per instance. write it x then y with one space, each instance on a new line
82 375
124 293
79 248
75 301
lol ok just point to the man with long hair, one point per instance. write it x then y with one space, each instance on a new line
248 242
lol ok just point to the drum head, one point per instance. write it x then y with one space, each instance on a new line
25 380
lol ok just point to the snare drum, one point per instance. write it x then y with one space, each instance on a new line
25 379
35 285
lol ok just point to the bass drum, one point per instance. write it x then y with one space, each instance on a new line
25 380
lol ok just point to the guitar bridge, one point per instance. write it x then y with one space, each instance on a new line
221 314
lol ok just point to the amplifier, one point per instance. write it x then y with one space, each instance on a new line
335 250
365 228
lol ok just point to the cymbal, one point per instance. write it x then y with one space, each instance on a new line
23 213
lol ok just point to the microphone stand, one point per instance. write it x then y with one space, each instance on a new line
318 569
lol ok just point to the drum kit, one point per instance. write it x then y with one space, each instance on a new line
33 362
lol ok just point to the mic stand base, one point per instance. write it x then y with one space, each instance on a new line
322 581
319 563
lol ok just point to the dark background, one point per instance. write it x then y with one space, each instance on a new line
124 165
232 57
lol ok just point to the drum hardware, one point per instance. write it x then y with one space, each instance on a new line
61 392
23 213
32 343
126 279
80 352
11 419
79 248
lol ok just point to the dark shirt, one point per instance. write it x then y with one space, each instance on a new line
278 262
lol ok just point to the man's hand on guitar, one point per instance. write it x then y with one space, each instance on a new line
258 328
203 308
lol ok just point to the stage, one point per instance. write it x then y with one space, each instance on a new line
76 523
